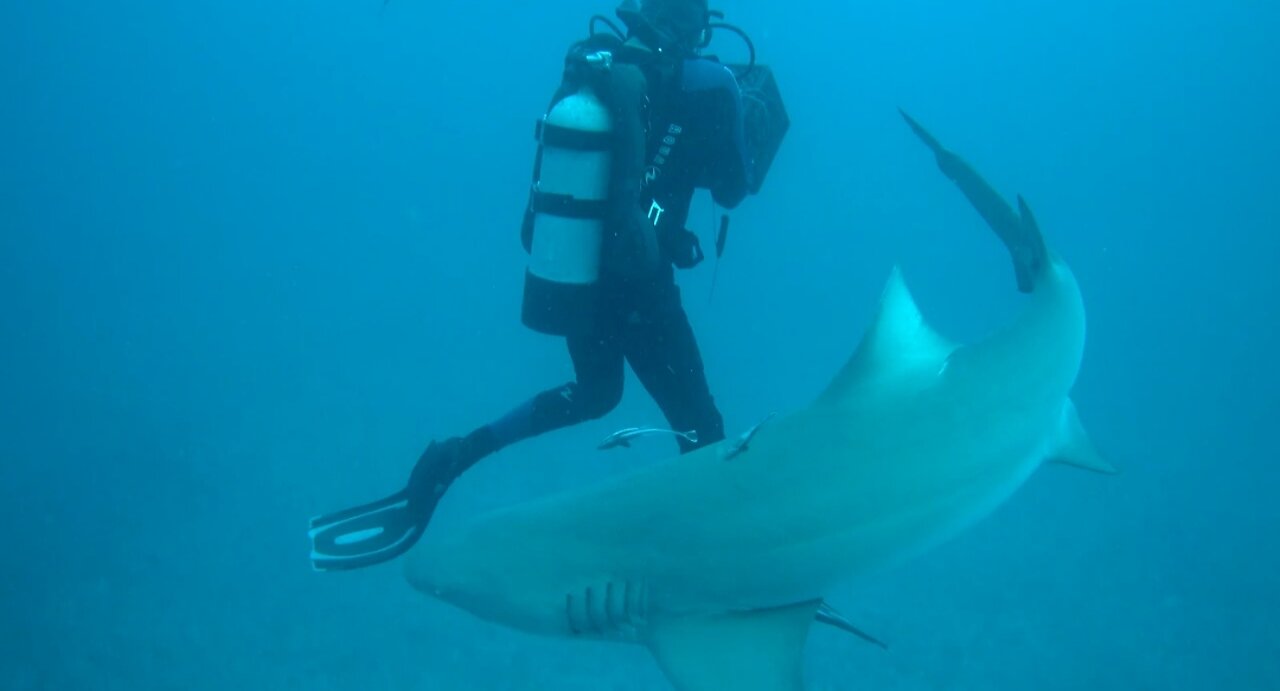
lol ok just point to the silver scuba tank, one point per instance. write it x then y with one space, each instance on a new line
567 212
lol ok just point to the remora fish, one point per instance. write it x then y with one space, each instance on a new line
624 436
739 445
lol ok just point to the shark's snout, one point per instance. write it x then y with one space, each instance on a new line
478 577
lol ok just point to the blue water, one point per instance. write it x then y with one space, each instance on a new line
254 256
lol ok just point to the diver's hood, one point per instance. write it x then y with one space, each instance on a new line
667 36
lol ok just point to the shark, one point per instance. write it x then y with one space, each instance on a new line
719 560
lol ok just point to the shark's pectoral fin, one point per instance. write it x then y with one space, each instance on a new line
1073 446
760 650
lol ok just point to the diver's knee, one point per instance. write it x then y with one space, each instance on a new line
594 402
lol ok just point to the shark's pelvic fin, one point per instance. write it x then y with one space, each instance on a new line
899 344
761 650
829 616
1074 446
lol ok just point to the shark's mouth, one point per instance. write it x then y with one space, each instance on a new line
610 609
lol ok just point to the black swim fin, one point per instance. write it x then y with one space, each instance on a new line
365 535
383 530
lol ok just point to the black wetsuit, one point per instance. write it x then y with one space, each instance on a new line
692 121
694 139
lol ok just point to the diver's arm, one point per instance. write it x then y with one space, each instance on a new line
631 246
731 171
728 173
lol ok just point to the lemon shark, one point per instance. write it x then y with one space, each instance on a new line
718 560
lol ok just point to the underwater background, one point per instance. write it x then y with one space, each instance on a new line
254 256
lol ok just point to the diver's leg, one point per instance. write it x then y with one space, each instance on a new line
664 355
596 390
598 369
382 530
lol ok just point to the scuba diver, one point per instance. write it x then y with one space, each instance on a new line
639 122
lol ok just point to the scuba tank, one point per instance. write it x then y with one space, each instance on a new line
584 218
568 205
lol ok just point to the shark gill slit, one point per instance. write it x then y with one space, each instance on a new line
568 614
608 606
591 617
628 604
623 607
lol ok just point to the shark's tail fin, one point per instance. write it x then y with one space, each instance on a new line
1019 231
1030 254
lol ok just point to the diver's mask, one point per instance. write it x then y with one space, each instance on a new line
675 26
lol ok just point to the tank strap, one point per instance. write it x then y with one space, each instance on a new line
560 137
568 206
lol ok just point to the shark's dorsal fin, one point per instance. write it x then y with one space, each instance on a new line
898 345
760 650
